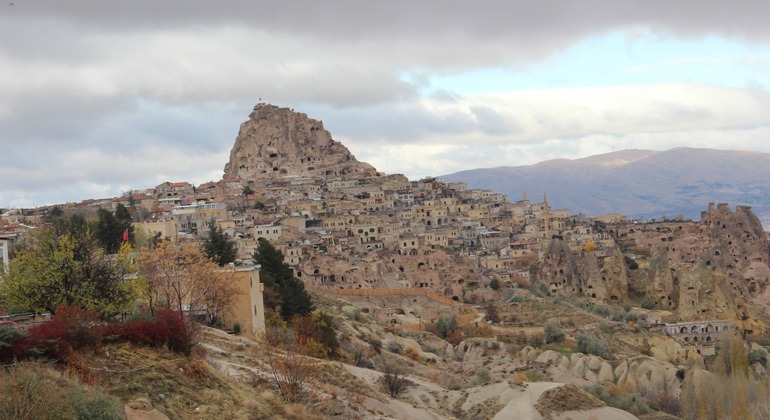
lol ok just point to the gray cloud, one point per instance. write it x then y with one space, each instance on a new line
98 95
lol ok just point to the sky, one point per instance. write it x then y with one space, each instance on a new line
100 97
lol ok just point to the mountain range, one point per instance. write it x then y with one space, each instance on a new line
637 183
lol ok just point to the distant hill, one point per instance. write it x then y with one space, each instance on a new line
638 183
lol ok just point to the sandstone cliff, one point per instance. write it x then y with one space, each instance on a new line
278 142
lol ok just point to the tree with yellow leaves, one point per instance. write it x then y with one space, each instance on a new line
181 278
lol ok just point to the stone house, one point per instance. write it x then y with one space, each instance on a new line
248 309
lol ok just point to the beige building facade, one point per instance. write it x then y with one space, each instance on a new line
248 310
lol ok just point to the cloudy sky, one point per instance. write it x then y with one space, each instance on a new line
99 97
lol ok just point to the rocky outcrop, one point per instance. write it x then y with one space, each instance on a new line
602 279
645 373
278 142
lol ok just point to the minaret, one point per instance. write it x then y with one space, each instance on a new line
546 217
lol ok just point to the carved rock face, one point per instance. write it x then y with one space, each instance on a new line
277 142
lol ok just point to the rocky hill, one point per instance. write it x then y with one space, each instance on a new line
638 183
278 142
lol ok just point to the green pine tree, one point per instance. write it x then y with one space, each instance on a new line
218 247
279 280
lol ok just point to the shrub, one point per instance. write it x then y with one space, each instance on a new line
83 326
553 332
455 337
535 376
601 310
632 402
494 284
97 407
453 386
9 338
354 314
758 356
168 329
318 328
26 392
376 344
630 263
237 328
291 370
393 382
492 314
361 359
482 376
482 330
536 340
395 347
445 324
412 353
648 304
631 317
590 344
48 339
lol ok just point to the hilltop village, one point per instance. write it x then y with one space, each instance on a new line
341 225
406 252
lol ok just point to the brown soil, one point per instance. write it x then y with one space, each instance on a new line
566 398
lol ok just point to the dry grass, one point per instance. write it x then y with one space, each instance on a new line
182 387
566 398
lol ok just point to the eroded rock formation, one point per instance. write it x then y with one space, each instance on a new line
278 142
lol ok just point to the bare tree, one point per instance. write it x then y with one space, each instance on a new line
291 370
394 381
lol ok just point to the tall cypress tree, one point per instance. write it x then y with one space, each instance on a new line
277 277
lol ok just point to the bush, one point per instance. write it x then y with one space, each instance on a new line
376 344
445 324
168 329
553 332
318 328
632 402
394 382
455 337
48 340
412 353
536 340
758 356
590 344
453 386
630 263
26 392
98 407
648 304
492 314
395 347
482 376
9 338
361 359
535 376
601 310
354 314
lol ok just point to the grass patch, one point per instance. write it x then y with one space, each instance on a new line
563 348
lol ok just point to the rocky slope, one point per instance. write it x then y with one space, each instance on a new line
278 142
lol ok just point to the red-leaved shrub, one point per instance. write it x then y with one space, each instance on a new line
167 329
84 329
48 339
